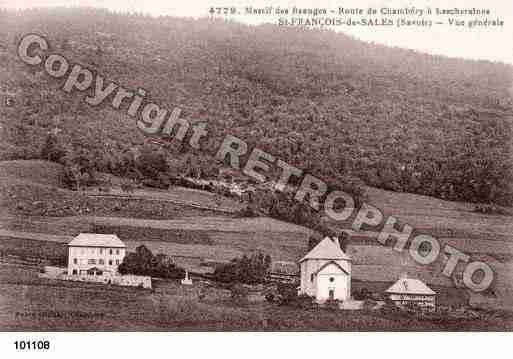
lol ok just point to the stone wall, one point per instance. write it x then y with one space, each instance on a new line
51 272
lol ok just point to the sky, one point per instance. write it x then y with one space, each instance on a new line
493 43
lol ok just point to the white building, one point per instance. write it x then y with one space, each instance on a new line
91 254
411 291
326 272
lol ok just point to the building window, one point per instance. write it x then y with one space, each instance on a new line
110 251
101 261
117 261
332 279
311 277
91 261
75 272
75 261
110 262
101 250
117 251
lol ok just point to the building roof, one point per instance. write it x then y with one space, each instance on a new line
327 264
326 249
407 285
96 240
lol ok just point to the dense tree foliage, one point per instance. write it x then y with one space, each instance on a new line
143 262
247 270
338 108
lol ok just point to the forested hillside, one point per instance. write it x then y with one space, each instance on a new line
351 112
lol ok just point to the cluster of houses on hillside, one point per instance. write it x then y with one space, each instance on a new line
238 184
324 272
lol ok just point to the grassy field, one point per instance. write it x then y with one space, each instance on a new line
33 188
179 195
30 303
33 249
217 238
437 217
442 218
40 172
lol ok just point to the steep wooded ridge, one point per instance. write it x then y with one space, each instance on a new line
339 108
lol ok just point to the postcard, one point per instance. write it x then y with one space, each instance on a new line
254 166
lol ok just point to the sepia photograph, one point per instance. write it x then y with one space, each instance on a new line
255 166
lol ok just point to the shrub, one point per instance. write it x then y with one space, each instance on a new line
246 212
52 149
287 295
270 297
489 209
369 304
362 294
238 292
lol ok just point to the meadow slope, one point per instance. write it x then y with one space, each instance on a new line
195 237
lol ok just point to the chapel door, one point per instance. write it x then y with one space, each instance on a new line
331 294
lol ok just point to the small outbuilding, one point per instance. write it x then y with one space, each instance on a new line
411 291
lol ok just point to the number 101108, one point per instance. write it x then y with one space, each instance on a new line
32 344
